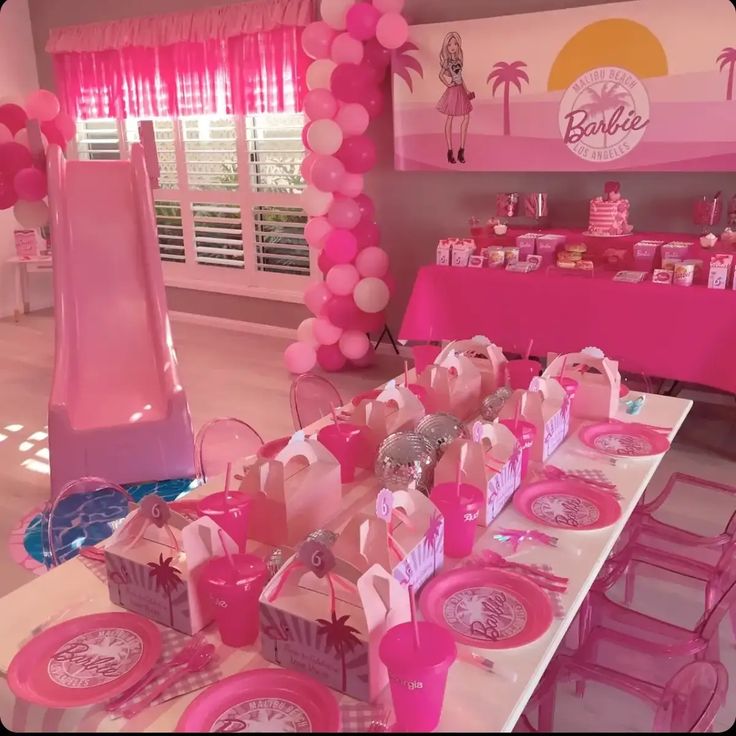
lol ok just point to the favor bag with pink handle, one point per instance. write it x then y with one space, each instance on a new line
599 382
395 409
492 463
547 406
456 384
322 616
294 493
485 356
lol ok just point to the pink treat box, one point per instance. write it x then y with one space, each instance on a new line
477 262
496 257
527 245
662 276
444 253
720 267
26 243
676 249
461 254
547 246
645 253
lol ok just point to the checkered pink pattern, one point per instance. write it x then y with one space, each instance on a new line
555 597
365 718
98 568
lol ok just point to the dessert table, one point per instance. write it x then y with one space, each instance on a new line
476 699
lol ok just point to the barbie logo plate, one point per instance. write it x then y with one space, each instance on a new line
487 608
622 440
267 700
85 660
567 504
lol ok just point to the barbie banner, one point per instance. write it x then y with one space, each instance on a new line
646 85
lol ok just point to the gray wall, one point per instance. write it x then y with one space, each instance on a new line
414 209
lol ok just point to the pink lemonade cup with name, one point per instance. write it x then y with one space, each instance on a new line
461 511
525 433
230 511
417 675
519 373
232 593
348 443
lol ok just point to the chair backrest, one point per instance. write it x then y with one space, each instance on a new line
312 397
82 514
692 699
720 594
222 442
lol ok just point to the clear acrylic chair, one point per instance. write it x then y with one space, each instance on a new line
222 442
84 512
312 397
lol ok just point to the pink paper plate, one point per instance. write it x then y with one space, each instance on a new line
273 700
85 660
621 440
487 608
567 503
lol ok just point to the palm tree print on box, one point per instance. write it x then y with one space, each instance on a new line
434 536
507 74
727 58
601 102
166 578
403 63
340 637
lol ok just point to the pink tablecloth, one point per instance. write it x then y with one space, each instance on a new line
687 334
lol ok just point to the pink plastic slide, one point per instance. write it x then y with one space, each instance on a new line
117 409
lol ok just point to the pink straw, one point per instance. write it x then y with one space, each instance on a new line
406 373
227 486
517 415
529 350
230 560
413 609
562 369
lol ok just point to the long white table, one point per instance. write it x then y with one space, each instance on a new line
476 700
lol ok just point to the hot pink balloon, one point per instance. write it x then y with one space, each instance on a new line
367 233
300 357
367 208
367 360
376 56
6 136
316 232
373 101
344 213
30 184
65 125
351 185
330 358
349 82
371 295
53 134
13 117
327 173
305 332
319 74
325 263
306 166
392 30
388 6
341 279
14 157
358 153
42 105
361 21
334 12
354 344
343 312
346 50
341 246
353 118
315 202
372 262
8 196
316 40
325 137
305 139
316 297
319 104
325 332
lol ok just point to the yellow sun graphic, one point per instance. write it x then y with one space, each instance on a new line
613 42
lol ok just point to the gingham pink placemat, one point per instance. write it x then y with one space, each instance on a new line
98 568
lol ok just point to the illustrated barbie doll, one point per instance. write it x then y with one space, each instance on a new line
456 100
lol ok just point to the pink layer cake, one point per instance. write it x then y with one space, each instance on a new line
608 217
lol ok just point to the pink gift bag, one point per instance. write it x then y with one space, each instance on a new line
456 382
485 356
395 409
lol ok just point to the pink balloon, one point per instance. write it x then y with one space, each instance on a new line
300 357
346 50
353 118
53 134
31 214
42 105
8 197
392 30
362 20
24 139
376 56
371 295
325 263
349 82
316 40
6 136
351 185
354 344
13 117
305 332
327 173
372 262
316 296
65 125
341 246
341 279
325 332
306 166
325 137
30 184
367 360
358 153
333 12
14 157
319 74
373 101
368 234
316 232
305 132
319 104
316 203
344 213
343 312
330 358
367 208
388 6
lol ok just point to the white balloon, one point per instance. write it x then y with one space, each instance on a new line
319 74
334 11
305 332
353 118
325 137
316 203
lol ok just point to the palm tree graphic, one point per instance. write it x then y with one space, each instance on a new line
403 63
340 637
432 537
167 579
727 58
507 74
601 102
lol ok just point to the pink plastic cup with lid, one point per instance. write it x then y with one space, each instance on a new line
228 512
232 593
461 511
525 433
348 443
519 373
417 675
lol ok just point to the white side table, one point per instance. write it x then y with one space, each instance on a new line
23 266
